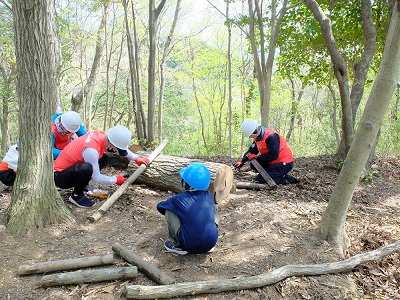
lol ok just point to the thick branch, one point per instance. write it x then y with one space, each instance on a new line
241 283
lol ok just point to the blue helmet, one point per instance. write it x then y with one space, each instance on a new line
197 176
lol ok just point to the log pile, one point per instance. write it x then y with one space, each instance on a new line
96 274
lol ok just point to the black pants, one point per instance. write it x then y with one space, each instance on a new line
77 176
7 177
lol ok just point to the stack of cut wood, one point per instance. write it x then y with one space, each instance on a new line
85 275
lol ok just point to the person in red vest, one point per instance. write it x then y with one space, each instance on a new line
83 158
9 166
63 127
271 150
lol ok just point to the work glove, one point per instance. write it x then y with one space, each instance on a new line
142 160
120 179
252 156
238 165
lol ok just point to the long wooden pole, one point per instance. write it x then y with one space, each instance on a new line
65 264
85 276
114 197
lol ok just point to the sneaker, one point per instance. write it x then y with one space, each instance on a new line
168 245
211 250
81 201
291 179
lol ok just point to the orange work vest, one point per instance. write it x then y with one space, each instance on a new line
285 153
72 153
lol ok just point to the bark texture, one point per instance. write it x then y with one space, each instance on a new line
164 174
35 202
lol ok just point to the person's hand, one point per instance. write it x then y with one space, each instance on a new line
120 179
252 156
238 165
142 160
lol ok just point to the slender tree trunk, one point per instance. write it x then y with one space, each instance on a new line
294 107
154 14
263 65
8 77
35 202
229 54
332 226
165 53
77 100
108 62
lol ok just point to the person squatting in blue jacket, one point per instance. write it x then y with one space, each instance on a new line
192 215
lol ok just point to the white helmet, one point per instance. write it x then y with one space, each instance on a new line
248 127
71 120
119 136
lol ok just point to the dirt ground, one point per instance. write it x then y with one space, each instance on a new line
251 241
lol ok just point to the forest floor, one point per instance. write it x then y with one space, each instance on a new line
252 239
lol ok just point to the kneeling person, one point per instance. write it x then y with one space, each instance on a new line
83 158
192 216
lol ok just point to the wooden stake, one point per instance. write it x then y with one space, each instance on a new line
77 277
264 174
150 270
114 197
66 264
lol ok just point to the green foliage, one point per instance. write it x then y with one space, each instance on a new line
368 175
195 110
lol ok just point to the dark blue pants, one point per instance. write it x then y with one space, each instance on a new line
7 177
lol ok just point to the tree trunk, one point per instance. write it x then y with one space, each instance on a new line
5 97
154 14
164 174
35 201
165 53
95 70
332 226
251 282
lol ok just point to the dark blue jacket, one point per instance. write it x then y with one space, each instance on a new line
199 233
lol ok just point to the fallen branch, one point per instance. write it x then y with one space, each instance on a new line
251 186
150 270
114 197
66 264
86 276
251 282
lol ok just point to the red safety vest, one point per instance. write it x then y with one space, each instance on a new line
4 166
285 153
61 140
72 153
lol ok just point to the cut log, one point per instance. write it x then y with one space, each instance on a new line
143 266
87 276
164 175
114 197
252 186
251 282
66 264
